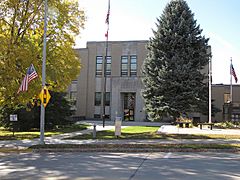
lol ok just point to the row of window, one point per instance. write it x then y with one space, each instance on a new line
98 98
128 65
99 64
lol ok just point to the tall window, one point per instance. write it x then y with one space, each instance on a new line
108 66
73 86
98 97
107 100
73 95
99 64
99 61
124 66
133 65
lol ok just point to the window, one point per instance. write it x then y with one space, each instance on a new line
124 66
133 65
73 99
99 61
108 66
98 98
235 117
74 85
107 101
97 116
99 64
73 95
74 103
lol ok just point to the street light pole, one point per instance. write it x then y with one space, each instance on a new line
43 72
210 91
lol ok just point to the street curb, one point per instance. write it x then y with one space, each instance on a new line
131 150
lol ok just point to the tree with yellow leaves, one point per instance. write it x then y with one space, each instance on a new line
21 43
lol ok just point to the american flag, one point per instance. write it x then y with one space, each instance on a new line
31 74
232 72
107 19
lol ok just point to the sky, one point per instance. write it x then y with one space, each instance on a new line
135 19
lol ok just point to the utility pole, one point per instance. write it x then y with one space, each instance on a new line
42 120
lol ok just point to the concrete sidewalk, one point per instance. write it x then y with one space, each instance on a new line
60 139
56 139
171 129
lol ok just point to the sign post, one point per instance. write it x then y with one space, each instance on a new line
13 119
44 97
118 123
42 117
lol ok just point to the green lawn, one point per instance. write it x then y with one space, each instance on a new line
132 132
8 135
147 132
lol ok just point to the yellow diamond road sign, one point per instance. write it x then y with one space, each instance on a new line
44 96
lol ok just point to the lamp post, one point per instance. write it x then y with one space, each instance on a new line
210 91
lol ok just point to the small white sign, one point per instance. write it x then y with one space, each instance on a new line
13 117
118 123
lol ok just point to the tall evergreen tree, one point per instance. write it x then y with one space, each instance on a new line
174 79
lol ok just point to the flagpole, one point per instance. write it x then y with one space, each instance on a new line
43 73
231 90
104 84
104 68
210 91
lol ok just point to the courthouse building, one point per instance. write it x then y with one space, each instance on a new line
123 84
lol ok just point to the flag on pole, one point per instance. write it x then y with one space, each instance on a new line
31 74
107 19
232 72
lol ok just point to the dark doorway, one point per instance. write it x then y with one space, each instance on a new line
128 106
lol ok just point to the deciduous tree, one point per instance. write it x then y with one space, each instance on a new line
21 42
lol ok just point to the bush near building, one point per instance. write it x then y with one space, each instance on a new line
56 113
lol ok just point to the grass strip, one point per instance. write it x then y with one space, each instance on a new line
8 135
15 150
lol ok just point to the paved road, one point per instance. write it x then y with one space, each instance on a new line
120 166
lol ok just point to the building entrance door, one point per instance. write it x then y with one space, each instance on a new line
128 106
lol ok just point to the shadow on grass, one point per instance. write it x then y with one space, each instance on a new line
35 133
